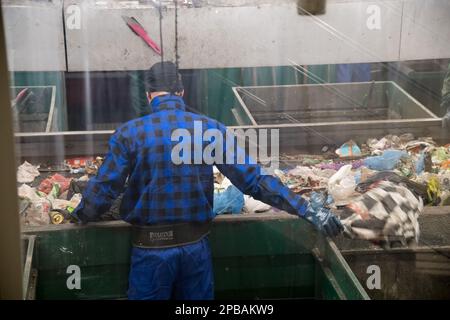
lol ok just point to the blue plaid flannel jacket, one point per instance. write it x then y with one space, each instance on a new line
160 191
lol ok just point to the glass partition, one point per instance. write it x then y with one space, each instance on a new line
348 101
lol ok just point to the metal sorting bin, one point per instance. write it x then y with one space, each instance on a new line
310 116
423 79
329 103
313 115
422 272
254 256
35 111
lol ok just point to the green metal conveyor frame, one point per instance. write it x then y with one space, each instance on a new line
258 256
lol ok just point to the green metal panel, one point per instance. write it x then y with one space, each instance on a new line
137 91
252 258
101 253
346 279
218 98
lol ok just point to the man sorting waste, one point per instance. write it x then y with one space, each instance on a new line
170 204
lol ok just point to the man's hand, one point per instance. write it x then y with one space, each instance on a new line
75 218
325 221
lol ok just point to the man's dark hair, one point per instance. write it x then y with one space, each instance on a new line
164 76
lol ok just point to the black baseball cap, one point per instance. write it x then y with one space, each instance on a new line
164 76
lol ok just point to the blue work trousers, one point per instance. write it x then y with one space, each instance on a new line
180 273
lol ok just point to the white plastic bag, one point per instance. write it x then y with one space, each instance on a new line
38 213
27 192
342 185
26 173
254 206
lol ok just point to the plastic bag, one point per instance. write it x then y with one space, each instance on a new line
420 164
38 212
349 149
387 161
27 192
387 213
342 184
441 154
26 173
229 201
47 185
254 206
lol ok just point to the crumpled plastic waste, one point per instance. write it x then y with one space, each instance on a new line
93 166
407 166
420 164
303 179
77 186
310 177
441 157
337 165
341 186
61 204
434 190
83 178
79 162
349 149
37 213
252 205
386 214
75 200
445 165
301 159
27 192
229 201
406 137
419 189
26 173
227 198
38 208
387 142
438 187
61 209
48 184
416 146
387 161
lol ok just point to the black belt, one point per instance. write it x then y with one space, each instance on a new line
169 235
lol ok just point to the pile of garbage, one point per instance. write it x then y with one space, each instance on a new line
48 194
418 160
380 187
353 176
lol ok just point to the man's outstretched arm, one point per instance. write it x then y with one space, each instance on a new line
106 186
250 179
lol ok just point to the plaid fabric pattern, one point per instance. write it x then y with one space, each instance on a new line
160 191
388 212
